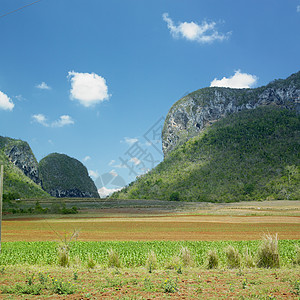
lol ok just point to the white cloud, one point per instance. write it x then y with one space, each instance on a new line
43 86
135 160
93 174
111 162
87 158
88 88
298 8
41 119
5 102
237 81
104 192
62 121
113 173
129 141
204 33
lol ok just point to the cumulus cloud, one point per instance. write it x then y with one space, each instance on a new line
104 192
88 88
135 160
111 162
237 81
203 33
93 174
298 8
5 102
129 141
113 173
41 119
62 121
87 158
43 86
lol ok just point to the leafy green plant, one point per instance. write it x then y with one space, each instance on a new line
170 286
62 288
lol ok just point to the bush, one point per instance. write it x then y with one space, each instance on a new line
113 258
233 257
268 255
212 259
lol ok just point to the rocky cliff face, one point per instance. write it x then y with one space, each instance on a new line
64 176
20 154
191 114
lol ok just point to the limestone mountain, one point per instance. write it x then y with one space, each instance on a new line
224 145
64 176
21 175
194 112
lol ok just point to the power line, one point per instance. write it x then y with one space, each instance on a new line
13 11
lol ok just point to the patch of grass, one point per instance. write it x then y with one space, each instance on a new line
151 262
113 258
212 259
267 254
233 257
186 257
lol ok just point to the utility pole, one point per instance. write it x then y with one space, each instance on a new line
1 198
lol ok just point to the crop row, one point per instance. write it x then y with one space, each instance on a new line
132 254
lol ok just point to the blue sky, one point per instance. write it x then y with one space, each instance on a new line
94 79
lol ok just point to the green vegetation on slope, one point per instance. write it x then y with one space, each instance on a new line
63 176
16 183
250 155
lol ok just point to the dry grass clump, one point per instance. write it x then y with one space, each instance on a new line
113 258
151 261
186 257
267 254
174 263
248 259
212 259
233 257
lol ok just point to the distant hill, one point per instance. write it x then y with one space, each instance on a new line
21 177
248 155
64 176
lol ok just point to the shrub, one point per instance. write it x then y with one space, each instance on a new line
212 259
113 258
268 255
151 262
233 257
186 257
